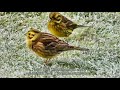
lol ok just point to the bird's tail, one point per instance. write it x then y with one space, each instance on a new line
82 26
77 48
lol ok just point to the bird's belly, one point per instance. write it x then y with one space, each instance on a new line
44 55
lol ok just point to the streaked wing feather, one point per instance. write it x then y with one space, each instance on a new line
69 24
51 42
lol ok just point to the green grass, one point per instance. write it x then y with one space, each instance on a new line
103 40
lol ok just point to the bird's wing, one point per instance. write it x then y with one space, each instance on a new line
41 50
51 42
39 47
68 23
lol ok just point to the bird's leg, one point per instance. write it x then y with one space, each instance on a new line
47 62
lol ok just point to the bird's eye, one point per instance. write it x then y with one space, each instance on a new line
29 34
58 18
33 35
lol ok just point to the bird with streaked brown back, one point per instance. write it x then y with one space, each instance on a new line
61 26
47 45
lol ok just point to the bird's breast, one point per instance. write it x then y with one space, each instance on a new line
56 30
29 43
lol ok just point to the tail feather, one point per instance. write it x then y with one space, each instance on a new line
82 26
77 48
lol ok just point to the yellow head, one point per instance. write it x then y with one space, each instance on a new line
55 17
33 34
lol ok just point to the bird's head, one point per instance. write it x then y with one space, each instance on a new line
33 34
55 17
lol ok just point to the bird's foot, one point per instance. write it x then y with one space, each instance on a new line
48 63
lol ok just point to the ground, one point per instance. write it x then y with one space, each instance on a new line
103 40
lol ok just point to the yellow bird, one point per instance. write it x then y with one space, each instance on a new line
61 26
47 45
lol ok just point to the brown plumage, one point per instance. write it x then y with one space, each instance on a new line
47 45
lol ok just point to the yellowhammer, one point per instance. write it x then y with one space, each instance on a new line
61 26
47 45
